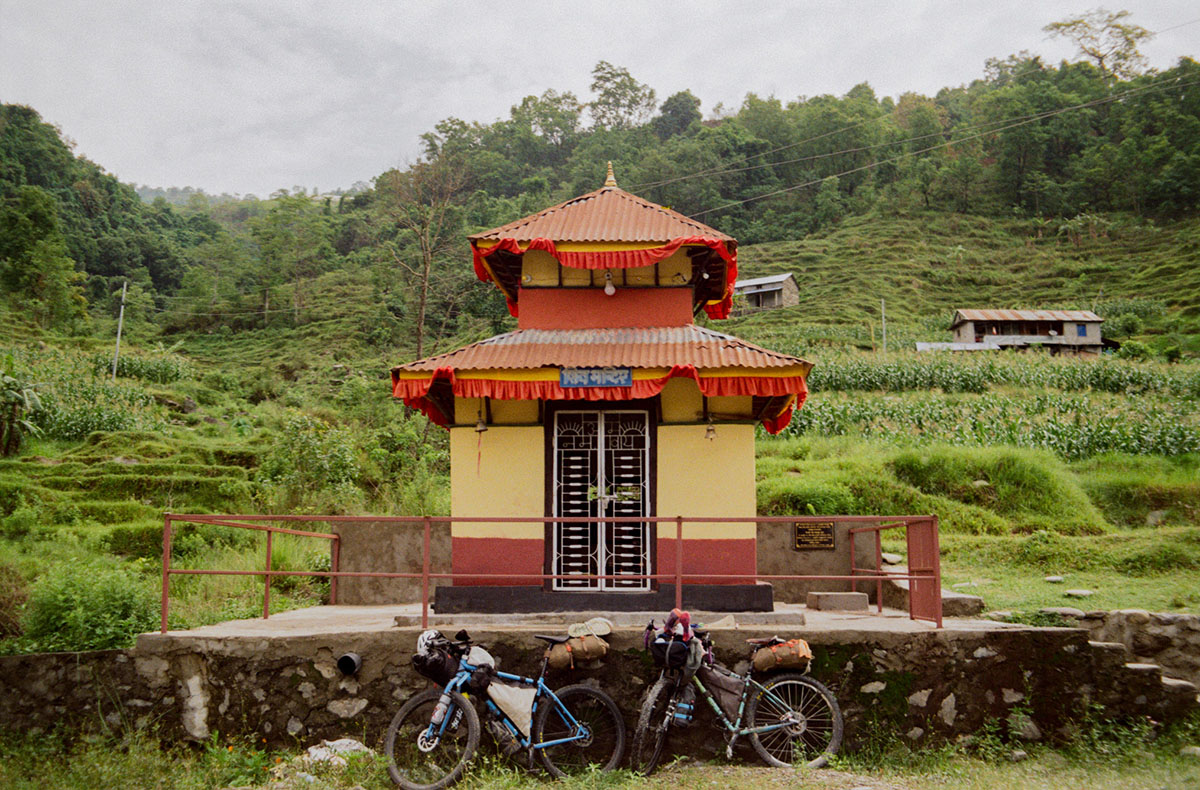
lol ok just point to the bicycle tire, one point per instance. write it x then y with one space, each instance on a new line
816 736
591 708
650 737
445 764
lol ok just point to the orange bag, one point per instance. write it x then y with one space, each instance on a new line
583 648
792 654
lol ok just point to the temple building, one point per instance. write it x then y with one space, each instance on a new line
608 400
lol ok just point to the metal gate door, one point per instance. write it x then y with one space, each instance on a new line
601 468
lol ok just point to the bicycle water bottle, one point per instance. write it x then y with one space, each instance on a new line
685 707
439 710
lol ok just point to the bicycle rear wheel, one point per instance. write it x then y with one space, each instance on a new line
810 713
650 737
413 763
595 711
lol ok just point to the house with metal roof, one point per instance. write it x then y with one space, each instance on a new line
1058 331
607 401
767 293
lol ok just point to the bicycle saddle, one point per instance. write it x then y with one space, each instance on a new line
553 640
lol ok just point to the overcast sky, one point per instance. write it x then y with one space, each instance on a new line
252 96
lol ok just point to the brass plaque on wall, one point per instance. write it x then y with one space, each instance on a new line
813 535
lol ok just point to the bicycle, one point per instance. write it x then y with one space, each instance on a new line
435 734
789 717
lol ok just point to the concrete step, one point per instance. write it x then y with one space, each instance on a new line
838 601
954 603
1178 686
1143 668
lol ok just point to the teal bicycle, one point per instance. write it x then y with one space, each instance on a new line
789 717
434 736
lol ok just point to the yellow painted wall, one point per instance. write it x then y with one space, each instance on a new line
504 412
682 402
500 472
540 269
697 477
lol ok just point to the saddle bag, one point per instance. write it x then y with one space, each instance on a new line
581 648
792 654
725 686
439 666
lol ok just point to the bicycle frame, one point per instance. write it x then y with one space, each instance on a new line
543 691
736 728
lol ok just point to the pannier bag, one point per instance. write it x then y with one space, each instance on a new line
516 702
725 687
668 651
792 654
437 665
583 648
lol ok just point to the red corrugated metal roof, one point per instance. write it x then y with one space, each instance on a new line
1024 315
608 214
634 348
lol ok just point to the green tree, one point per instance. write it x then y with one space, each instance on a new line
1103 37
621 101
294 245
678 113
35 269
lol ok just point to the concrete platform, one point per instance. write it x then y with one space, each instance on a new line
326 621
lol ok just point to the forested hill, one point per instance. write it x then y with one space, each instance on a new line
1057 158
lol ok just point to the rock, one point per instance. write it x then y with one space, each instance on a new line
919 699
1011 696
1190 751
983 652
874 687
962 584
333 752
294 726
346 708
188 406
1053 579
1079 594
980 483
1155 517
1017 755
1063 611
1023 727
892 559
914 733
1000 614
948 711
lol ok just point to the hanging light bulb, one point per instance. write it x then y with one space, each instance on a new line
609 288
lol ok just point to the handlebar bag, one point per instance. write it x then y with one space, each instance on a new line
669 651
437 665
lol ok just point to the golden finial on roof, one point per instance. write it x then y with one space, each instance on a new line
611 180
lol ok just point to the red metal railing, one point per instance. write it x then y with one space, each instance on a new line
924 572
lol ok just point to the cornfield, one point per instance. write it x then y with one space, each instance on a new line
1071 425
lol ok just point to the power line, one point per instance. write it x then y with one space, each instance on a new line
1040 116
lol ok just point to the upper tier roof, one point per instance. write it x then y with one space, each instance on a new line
609 214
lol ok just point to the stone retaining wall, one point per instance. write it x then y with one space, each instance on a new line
929 686
1170 640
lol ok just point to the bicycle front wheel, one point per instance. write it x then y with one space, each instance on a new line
416 764
650 737
603 744
811 719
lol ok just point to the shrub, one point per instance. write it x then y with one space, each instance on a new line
1133 349
312 462
23 520
88 606
12 597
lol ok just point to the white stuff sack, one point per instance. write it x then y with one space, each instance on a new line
516 702
478 657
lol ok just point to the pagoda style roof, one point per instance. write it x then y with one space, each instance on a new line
651 347
610 229
627 363
610 214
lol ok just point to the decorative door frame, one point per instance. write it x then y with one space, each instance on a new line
653 409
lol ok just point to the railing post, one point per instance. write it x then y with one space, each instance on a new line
335 564
679 562
879 570
267 579
166 567
937 568
425 578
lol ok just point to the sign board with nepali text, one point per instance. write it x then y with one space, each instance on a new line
595 377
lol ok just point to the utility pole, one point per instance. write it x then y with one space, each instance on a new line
883 323
120 323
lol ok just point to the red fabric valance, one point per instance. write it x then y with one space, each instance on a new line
414 391
618 259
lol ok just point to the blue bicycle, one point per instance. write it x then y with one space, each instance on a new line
434 736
